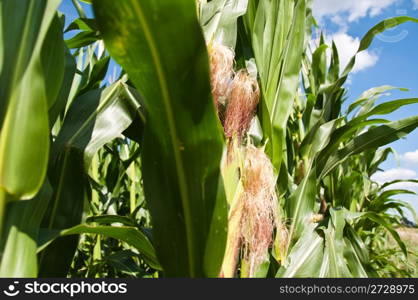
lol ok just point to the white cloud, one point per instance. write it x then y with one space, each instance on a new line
353 9
342 13
411 157
347 46
394 174
411 186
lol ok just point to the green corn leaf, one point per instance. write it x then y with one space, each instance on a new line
96 118
354 264
360 122
93 120
109 219
23 90
372 94
59 105
381 27
41 89
358 245
27 25
83 24
390 193
124 261
97 75
380 156
342 134
383 222
334 69
317 138
367 40
160 45
385 185
278 60
24 218
82 39
334 265
319 64
372 139
218 19
53 61
386 108
306 256
300 206
130 235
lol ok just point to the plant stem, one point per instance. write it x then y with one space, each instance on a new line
79 9
97 250
132 192
3 201
95 175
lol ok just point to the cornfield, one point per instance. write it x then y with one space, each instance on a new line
225 147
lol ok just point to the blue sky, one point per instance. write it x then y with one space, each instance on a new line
391 60
68 8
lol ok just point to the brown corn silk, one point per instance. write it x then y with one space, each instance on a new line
259 217
221 71
242 103
253 214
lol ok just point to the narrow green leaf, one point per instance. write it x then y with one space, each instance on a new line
342 134
334 69
300 206
358 245
367 40
371 94
398 181
372 139
109 219
383 222
82 39
53 61
381 27
59 105
130 235
353 260
380 156
83 24
390 193
317 138
319 64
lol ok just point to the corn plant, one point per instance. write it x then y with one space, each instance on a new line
223 149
